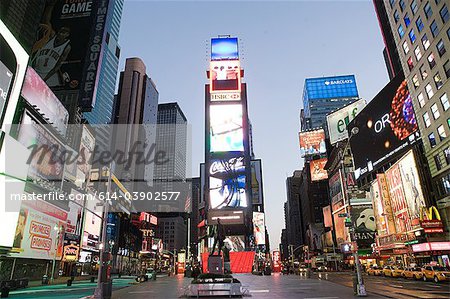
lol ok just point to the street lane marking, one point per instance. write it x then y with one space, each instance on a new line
396 286
259 291
140 292
322 298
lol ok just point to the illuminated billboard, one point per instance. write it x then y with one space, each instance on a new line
377 203
226 132
365 225
387 127
92 224
225 76
331 87
256 181
235 243
317 170
87 144
227 183
259 228
225 96
312 142
69 44
337 121
225 48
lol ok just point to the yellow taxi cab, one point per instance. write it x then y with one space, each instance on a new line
392 271
436 273
412 272
374 270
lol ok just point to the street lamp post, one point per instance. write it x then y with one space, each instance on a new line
360 289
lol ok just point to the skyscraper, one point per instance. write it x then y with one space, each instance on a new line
324 95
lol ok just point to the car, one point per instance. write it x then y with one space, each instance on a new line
392 271
374 270
436 273
412 272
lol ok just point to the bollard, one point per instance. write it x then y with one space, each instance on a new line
69 282
93 279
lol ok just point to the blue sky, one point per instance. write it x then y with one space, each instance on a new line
282 43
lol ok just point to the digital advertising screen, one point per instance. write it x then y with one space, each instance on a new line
92 225
227 182
338 120
226 131
225 48
312 142
235 243
331 87
387 127
259 228
256 181
317 170
225 76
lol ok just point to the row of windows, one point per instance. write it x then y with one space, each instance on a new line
439 162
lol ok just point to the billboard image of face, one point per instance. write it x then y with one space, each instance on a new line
312 142
235 243
317 170
224 48
398 200
257 195
259 228
226 133
225 76
337 121
227 183
363 219
387 127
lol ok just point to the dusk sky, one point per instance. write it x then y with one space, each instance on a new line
281 44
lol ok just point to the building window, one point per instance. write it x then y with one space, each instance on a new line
434 29
440 47
444 14
435 111
414 7
396 16
431 60
410 63
412 36
441 132
438 161
418 53
405 47
401 3
448 33
415 80
429 90
421 99
428 11
407 20
401 33
447 68
432 140
392 3
425 42
426 120
444 101
447 155
423 72
419 24
438 81
437 2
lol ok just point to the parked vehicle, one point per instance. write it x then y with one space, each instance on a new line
436 273
412 272
392 271
374 270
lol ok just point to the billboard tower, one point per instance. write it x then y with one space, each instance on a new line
227 149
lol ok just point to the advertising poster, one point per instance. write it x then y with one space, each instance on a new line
341 231
224 48
338 120
36 236
87 144
227 182
327 221
74 219
6 77
377 204
387 128
386 201
312 142
38 94
412 187
257 191
235 243
313 234
259 228
92 225
398 201
317 170
225 76
226 132
336 191
365 225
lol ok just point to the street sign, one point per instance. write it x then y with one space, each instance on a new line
343 215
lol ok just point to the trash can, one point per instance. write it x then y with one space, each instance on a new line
44 279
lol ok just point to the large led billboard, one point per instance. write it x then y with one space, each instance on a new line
331 87
225 76
312 142
317 169
338 120
227 182
256 181
387 127
68 48
259 228
226 132
224 48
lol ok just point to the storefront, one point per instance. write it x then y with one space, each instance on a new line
428 252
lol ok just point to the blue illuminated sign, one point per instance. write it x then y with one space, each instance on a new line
224 48
331 87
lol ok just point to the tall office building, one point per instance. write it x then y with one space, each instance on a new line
293 216
422 37
324 95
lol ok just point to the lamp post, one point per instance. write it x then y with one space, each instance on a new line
58 229
360 289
